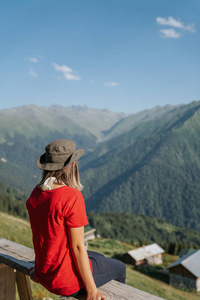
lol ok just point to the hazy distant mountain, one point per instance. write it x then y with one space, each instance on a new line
72 119
24 133
153 169
26 130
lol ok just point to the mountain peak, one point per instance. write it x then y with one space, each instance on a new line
68 108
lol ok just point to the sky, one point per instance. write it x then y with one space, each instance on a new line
120 55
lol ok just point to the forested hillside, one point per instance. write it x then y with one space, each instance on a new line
154 170
129 122
12 201
142 230
18 230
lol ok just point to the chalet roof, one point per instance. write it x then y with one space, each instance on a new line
87 228
90 232
190 261
145 251
186 251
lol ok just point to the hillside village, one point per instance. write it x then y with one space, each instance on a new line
150 279
184 273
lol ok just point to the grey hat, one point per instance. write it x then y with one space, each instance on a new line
59 154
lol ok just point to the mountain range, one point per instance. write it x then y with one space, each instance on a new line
145 163
26 130
153 169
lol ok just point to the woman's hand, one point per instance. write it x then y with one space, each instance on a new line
32 275
95 295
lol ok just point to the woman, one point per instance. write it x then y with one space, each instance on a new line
57 215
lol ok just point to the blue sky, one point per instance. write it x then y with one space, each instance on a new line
122 55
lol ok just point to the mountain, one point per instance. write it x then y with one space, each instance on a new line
74 119
26 130
153 169
129 122
149 165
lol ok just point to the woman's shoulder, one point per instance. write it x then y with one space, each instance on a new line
71 198
70 190
35 191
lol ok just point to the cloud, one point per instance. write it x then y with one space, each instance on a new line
170 21
67 72
33 59
169 33
33 73
113 84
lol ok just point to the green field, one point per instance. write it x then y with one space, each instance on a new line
18 230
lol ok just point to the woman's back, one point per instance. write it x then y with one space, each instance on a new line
57 215
51 213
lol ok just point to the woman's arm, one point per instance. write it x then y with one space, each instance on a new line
81 256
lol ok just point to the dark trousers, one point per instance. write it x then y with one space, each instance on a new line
105 269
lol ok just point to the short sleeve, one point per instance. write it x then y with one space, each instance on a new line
75 214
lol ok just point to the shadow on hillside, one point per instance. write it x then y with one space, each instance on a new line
154 272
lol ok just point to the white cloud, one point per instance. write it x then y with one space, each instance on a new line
33 73
67 72
170 21
170 33
113 84
33 59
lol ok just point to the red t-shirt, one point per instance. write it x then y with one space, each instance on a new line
51 214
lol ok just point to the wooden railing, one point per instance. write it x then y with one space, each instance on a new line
15 262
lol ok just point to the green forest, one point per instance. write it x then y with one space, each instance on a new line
130 228
143 230
145 166
12 201
153 170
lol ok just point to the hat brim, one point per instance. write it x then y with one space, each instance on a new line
41 163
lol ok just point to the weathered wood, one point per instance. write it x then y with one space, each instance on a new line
7 283
114 290
16 256
22 258
23 286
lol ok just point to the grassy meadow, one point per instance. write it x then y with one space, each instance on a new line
18 230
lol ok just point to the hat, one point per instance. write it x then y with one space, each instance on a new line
59 154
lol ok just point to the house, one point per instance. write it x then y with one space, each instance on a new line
89 233
185 251
185 272
151 254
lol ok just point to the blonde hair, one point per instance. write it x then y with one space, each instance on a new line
69 176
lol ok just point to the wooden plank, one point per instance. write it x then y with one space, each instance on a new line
7 283
114 290
23 286
16 256
22 259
